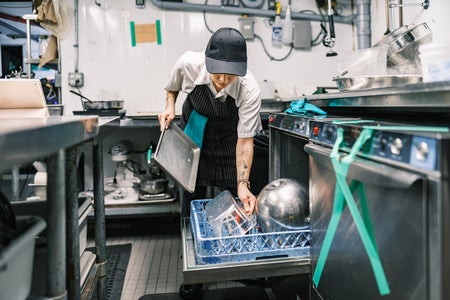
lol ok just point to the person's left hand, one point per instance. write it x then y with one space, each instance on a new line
247 198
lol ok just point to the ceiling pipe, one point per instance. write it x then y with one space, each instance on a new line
12 28
233 10
363 33
12 18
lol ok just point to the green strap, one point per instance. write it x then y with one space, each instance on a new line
344 194
338 206
363 223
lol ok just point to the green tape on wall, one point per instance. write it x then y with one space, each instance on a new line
133 34
158 32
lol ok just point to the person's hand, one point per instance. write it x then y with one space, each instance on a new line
247 198
165 118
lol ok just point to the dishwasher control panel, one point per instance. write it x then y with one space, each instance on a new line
397 144
297 125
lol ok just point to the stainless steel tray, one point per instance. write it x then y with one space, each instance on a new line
178 156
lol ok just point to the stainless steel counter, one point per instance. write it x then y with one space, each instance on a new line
432 96
54 139
25 140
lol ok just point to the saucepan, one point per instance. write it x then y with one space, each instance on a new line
155 186
106 104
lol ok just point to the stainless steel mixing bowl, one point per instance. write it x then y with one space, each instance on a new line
283 205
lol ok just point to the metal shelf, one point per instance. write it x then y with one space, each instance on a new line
53 64
419 97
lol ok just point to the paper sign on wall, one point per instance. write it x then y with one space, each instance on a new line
145 33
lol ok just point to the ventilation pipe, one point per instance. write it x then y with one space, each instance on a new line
232 10
363 24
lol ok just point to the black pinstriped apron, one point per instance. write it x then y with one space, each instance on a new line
217 166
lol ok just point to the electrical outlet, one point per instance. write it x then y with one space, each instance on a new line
246 26
76 79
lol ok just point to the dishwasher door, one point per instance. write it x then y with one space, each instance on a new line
398 204
203 273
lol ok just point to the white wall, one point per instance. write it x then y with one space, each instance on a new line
137 74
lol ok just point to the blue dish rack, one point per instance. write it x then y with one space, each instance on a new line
255 245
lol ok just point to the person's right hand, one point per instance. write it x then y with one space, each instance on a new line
165 118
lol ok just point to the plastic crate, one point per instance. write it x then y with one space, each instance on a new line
16 260
255 245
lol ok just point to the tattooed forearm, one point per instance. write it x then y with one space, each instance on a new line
244 158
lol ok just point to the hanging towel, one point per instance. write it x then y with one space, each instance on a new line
195 127
303 108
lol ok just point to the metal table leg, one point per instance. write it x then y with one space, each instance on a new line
99 215
73 235
56 227
15 184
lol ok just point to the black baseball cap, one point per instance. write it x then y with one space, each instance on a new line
226 52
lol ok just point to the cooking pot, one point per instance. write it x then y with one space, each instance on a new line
106 104
155 186
404 44
388 38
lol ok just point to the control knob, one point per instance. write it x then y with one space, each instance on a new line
330 132
422 151
396 146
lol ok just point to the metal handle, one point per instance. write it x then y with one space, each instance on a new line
331 24
78 94
425 4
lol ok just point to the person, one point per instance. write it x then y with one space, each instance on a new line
221 112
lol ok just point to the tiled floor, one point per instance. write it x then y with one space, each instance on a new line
155 264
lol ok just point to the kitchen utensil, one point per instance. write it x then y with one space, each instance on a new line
227 216
390 36
404 48
107 104
78 94
282 205
330 41
178 156
155 186
371 82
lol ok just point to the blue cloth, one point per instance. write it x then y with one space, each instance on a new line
303 108
195 127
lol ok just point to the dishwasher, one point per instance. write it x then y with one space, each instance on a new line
246 259
380 210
